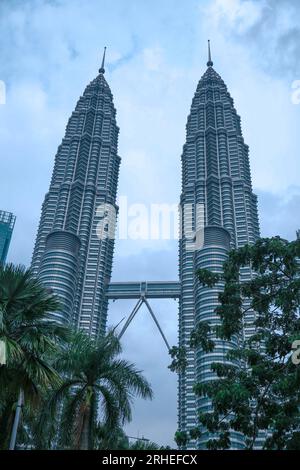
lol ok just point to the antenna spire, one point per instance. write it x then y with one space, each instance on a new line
102 69
210 62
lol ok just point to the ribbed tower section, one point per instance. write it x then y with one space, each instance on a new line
216 178
68 256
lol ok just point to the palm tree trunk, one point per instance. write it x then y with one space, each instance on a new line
13 436
85 443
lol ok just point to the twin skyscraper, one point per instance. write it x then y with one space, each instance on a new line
76 263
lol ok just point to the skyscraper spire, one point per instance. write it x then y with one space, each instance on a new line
216 194
102 69
84 183
210 62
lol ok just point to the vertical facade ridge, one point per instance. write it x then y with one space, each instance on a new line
68 255
215 176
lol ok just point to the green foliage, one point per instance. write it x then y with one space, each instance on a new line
31 340
181 438
116 439
107 438
207 278
74 387
146 445
201 337
97 389
179 361
257 391
195 433
222 443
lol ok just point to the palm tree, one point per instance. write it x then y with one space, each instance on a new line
97 390
30 339
110 439
142 444
116 439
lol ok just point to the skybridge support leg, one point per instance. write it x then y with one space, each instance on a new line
135 310
131 317
157 323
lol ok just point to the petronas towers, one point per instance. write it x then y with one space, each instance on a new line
69 256
215 177
74 259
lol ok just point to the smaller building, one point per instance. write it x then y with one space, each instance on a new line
7 223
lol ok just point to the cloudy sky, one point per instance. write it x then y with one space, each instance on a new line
157 53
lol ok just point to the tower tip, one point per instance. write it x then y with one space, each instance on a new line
210 62
102 69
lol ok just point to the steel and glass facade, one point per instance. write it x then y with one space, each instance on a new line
70 256
216 176
71 259
7 223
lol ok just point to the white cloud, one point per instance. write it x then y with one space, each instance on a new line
153 58
236 14
280 213
270 122
156 54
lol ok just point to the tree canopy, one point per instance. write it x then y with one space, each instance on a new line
256 390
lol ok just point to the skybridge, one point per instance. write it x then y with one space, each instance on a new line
142 291
149 289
